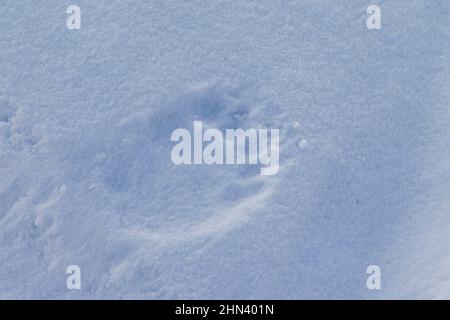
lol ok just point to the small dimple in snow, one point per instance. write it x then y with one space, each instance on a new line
7 110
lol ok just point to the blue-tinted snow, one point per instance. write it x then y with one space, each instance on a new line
85 170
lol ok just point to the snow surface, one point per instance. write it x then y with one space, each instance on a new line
85 170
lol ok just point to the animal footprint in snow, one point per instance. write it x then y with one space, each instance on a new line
153 194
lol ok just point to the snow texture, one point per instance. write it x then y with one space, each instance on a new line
86 176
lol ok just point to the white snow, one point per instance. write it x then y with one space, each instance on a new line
85 171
